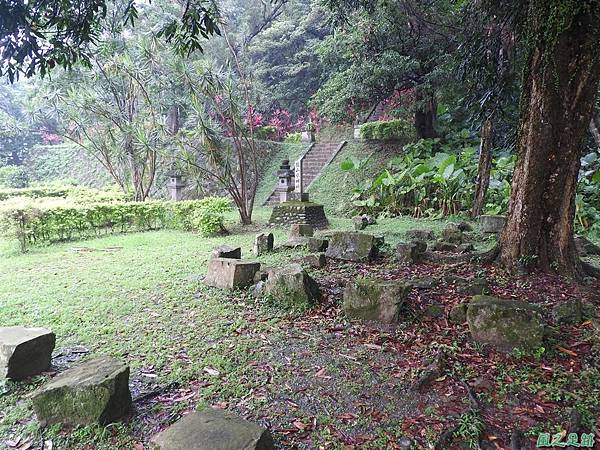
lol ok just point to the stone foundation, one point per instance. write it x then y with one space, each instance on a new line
299 212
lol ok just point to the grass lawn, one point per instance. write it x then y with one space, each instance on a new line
139 297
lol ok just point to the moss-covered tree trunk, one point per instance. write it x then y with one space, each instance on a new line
559 92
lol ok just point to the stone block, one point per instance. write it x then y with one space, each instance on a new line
316 261
292 285
420 235
301 230
492 224
505 324
411 252
228 273
226 251
263 243
372 299
95 391
317 245
213 429
25 352
352 246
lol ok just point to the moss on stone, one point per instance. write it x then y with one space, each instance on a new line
505 324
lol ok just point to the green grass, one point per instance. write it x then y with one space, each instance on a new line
134 296
334 187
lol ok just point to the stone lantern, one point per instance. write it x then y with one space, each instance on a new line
175 186
285 186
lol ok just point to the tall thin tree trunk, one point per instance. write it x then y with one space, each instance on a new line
485 166
425 113
595 130
559 92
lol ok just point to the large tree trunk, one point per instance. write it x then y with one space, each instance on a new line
559 92
425 113
485 166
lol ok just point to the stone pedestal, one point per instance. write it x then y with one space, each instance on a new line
175 187
25 352
228 273
290 213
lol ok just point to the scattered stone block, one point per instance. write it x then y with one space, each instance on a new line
25 352
292 285
359 222
226 251
585 247
301 230
492 224
317 245
424 283
316 261
452 234
411 252
469 286
372 299
464 226
295 243
352 246
441 246
263 243
96 391
213 429
568 313
458 313
420 235
505 324
228 273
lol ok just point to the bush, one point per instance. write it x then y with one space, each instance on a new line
293 138
32 221
265 133
386 130
208 217
13 177
79 194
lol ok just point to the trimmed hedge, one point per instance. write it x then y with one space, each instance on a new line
386 130
33 222
36 192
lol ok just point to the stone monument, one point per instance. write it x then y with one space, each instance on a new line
294 206
175 186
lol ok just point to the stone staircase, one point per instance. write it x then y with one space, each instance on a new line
376 113
313 162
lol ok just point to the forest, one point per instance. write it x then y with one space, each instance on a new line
299 223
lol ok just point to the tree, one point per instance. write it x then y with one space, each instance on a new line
559 91
487 62
385 46
37 35
218 142
117 111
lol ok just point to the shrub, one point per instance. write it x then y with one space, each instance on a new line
265 133
293 138
386 130
79 194
14 177
208 217
33 221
